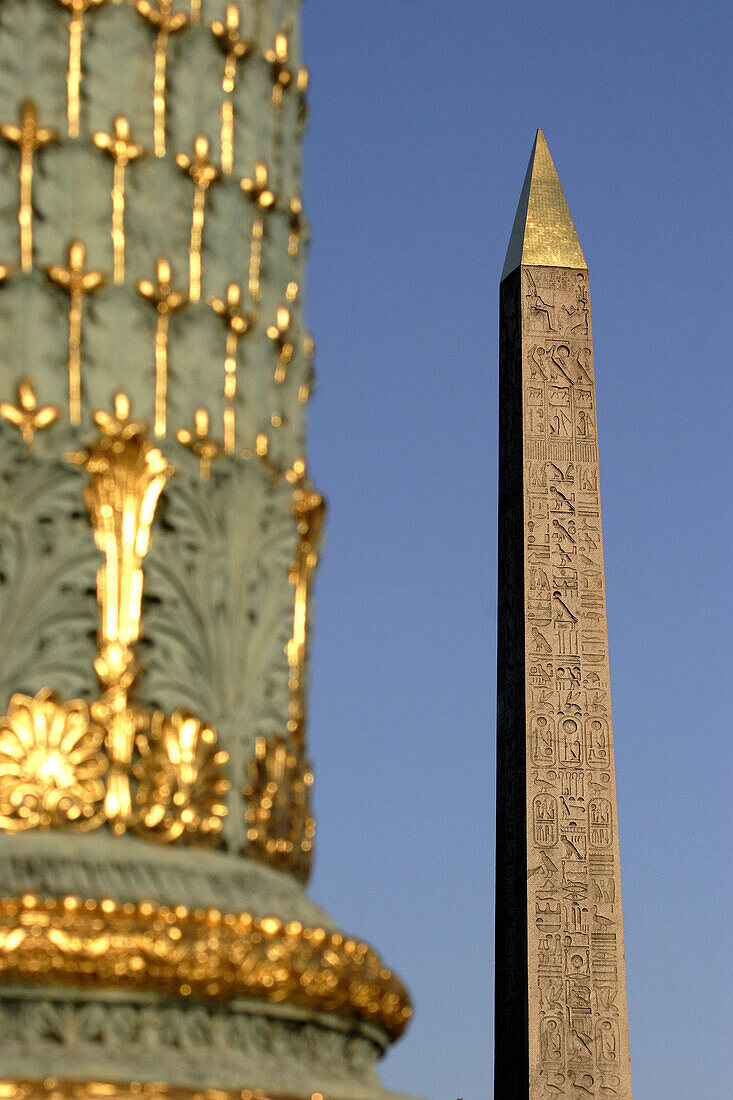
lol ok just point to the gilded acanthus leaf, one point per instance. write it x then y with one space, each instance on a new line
280 828
181 779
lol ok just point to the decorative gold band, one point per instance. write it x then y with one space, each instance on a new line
55 1089
201 953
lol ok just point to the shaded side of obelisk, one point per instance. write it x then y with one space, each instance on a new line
561 1024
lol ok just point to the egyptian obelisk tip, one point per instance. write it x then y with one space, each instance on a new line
543 234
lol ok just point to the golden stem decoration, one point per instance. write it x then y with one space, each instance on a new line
203 173
28 136
235 48
167 302
77 283
123 150
166 22
26 415
127 474
262 198
195 12
199 443
309 509
238 324
76 9
279 333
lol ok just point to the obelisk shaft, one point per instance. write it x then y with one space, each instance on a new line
561 1016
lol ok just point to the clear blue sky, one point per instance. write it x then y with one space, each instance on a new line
423 118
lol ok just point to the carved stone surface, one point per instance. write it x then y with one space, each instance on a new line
561 1016
187 1044
129 869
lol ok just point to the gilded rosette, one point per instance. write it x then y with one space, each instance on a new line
51 764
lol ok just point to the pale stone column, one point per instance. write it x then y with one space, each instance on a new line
159 534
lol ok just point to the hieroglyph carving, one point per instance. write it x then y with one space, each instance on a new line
578 1029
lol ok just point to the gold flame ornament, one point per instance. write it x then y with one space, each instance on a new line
236 48
51 765
77 10
199 443
77 283
123 151
167 302
166 22
258 191
127 474
26 415
181 779
238 324
28 136
203 173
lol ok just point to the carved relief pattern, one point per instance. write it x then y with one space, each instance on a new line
577 1000
176 1040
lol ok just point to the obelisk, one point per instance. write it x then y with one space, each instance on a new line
561 1019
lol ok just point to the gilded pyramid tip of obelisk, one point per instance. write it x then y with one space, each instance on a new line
543 234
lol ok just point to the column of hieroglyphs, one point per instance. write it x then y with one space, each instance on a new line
570 952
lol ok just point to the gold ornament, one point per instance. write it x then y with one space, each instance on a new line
203 173
126 477
76 10
167 302
51 764
199 443
280 828
204 954
309 509
279 333
28 136
26 416
123 151
238 324
296 225
235 49
166 22
76 282
181 779
54 1088
257 189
